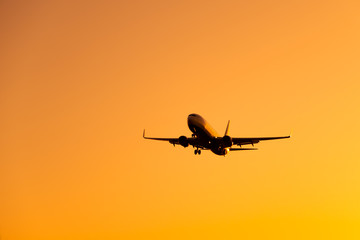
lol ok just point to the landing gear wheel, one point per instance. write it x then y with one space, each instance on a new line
196 151
199 152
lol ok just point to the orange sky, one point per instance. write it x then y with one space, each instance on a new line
79 82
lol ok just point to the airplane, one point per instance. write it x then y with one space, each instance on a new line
204 137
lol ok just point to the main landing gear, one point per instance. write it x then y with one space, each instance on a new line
197 151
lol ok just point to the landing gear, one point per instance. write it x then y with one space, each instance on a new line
197 151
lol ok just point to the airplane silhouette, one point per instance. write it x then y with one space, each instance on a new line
204 137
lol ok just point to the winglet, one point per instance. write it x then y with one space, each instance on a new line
227 128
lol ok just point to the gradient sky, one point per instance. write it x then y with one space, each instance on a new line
79 81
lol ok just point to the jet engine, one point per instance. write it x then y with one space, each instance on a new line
227 141
183 141
225 151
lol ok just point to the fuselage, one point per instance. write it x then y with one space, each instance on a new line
206 134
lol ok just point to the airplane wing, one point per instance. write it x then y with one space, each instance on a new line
192 141
252 141
242 149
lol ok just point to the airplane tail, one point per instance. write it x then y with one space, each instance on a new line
227 129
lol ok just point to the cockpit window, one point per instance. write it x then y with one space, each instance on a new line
193 115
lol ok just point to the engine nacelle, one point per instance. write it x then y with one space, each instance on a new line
183 141
227 141
225 151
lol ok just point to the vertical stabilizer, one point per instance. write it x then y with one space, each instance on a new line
227 129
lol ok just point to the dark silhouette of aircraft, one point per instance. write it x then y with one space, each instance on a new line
204 137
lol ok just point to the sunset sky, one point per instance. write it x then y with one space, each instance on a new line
80 80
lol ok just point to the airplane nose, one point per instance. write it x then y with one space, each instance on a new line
190 120
194 119
191 117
